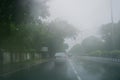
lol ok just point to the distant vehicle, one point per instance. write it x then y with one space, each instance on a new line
60 59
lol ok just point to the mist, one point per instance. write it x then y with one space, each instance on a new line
59 40
85 15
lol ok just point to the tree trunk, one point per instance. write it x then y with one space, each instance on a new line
1 60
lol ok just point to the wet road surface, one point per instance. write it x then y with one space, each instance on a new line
93 70
45 71
75 69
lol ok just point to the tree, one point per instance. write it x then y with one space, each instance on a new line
17 17
58 30
22 30
110 33
77 50
91 44
20 27
87 46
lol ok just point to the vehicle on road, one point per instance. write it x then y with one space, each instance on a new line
60 59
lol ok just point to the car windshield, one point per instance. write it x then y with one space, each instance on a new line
59 39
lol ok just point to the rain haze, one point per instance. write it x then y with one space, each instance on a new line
59 39
86 15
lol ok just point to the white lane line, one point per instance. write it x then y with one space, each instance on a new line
76 73
78 77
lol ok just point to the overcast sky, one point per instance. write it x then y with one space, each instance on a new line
86 15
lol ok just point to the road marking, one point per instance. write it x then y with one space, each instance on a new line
78 77
76 73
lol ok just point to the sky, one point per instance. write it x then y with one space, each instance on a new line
86 15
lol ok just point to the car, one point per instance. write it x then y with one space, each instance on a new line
60 59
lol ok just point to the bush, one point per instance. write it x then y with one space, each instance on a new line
112 54
115 53
96 53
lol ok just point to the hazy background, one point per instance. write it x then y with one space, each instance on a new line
86 15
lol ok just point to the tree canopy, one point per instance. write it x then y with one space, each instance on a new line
111 34
88 45
22 29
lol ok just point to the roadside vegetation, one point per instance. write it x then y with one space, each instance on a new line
107 45
24 31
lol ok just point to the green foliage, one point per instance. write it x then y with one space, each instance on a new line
115 53
88 45
26 37
110 47
21 30
96 53
112 54
111 34
77 49
91 44
63 28
58 31
106 46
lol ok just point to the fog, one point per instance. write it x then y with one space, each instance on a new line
86 15
60 40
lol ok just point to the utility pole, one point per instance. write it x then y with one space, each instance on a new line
111 9
112 21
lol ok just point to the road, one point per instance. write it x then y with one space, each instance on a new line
44 71
97 70
75 69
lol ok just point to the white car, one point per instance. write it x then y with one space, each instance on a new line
60 58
